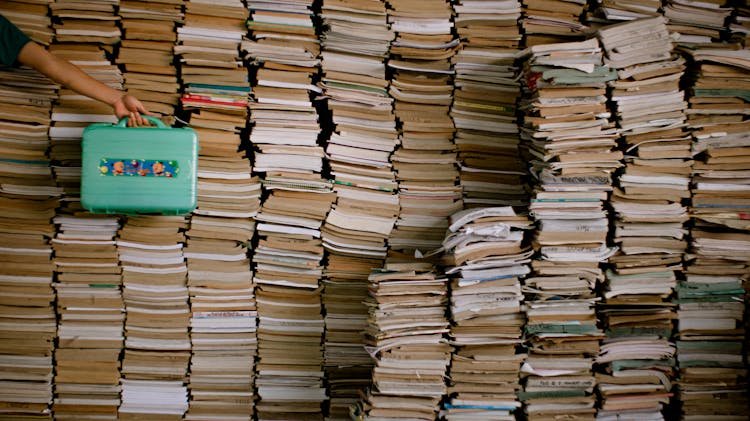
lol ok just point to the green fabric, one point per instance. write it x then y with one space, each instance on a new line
11 41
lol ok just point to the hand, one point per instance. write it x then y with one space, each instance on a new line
129 106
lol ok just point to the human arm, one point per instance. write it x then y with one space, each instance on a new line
70 76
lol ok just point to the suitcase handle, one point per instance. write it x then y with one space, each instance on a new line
158 123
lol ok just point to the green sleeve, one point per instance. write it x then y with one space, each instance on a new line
11 41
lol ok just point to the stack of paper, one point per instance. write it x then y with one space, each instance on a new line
31 17
288 268
550 21
354 45
28 198
283 55
223 318
612 11
407 305
739 25
157 344
484 248
28 326
712 379
90 311
721 146
348 366
211 71
484 105
422 87
713 375
146 53
73 113
83 22
696 22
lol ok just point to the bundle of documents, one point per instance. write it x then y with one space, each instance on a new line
613 11
487 258
696 22
83 22
31 17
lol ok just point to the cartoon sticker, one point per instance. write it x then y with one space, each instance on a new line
138 168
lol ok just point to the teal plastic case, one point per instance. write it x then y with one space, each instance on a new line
139 170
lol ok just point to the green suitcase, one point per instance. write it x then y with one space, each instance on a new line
139 170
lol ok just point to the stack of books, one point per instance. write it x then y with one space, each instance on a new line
406 338
484 106
607 12
223 318
283 54
355 40
31 17
696 22
288 268
712 315
710 354
83 22
157 343
718 106
571 142
551 21
90 310
486 259
739 24
363 130
211 71
422 88
146 53
638 355
28 198
27 311
348 366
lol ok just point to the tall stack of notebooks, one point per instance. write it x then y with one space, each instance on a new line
146 52
157 343
713 379
486 258
223 318
283 53
28 198
422 87
211 71
288 268
90 311
484 105
364 132
31 17
348 366
407 305
571 141
354 43
637 358
550 21
28 326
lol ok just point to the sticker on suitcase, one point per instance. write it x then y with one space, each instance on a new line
138 168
